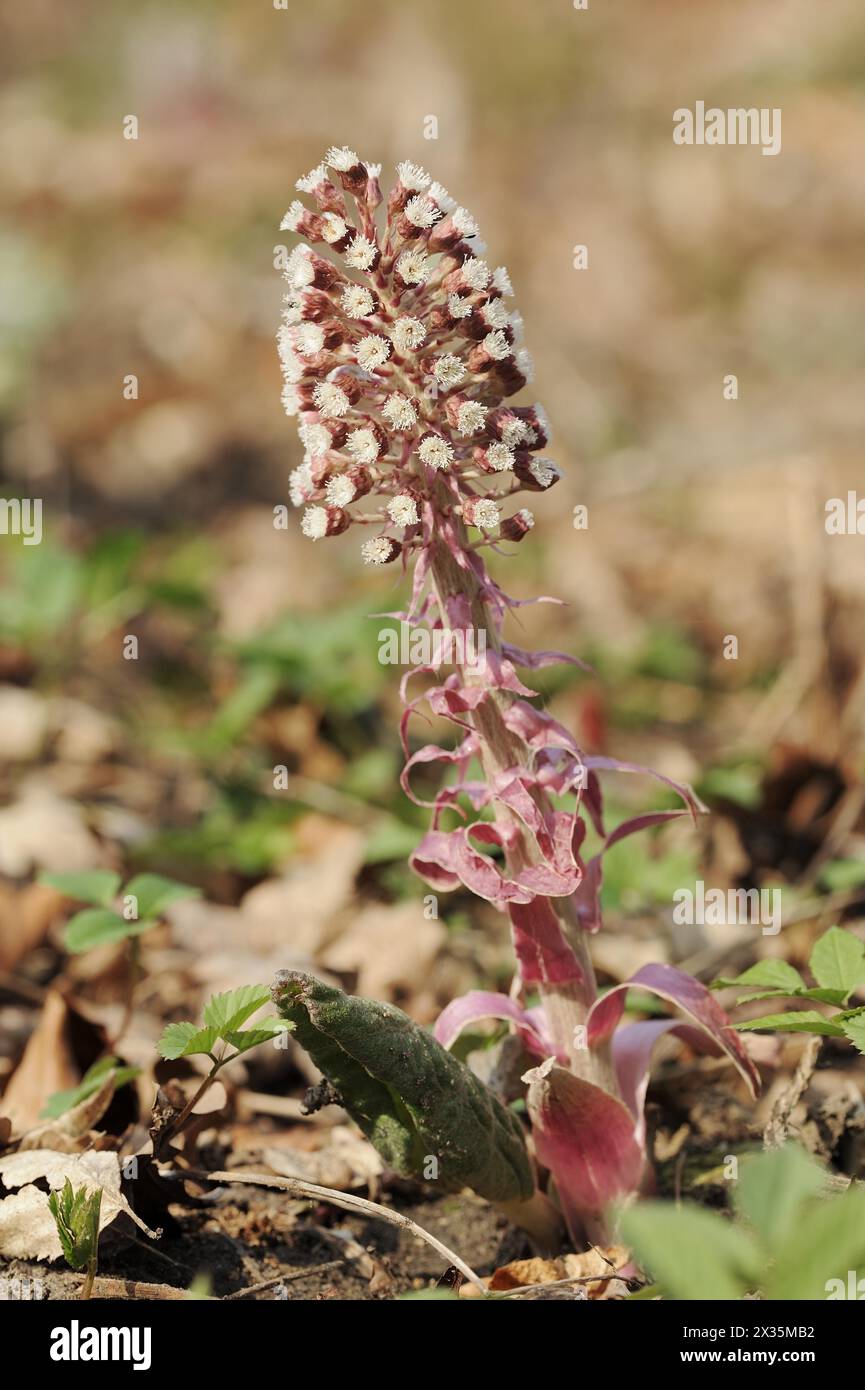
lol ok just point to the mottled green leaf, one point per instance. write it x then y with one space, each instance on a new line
412 1099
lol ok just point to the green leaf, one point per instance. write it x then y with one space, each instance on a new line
263 1031
186 1040
766 974
410 1097
228 1012
854 1029
61 1101
771 1189
76 1216
841 875
805 1021
693 1253
822 996
155 893
827 1240
98 886
97 926
838 960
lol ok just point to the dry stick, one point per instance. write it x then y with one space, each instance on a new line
778 1125
346 1200
105 1287
560 1284
278 1279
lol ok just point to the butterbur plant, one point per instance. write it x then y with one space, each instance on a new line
402 354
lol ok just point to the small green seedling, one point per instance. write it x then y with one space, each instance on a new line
786 1242
837 963
144 900
93 1078
221 1038
76 1215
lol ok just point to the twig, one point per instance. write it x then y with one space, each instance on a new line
105 1287
284 1108
778 1125
346 1200
559 1284
291 1277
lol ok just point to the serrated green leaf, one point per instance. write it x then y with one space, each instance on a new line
155 893
98 886
186 1040
822 996
96 926
838 961
263 1031
827 1240
766 974
76 1216
228 1012
771 1189
411 1098
804 1021
693 1253
854 1029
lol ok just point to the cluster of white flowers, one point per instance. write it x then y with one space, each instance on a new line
398 353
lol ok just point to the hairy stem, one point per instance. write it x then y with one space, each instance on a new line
566 1005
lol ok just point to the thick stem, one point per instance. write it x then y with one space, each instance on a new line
566 1005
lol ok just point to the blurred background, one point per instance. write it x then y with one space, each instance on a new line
154 257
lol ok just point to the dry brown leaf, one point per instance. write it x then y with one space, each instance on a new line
47 1065
72 1131
300 910
392 949
345 1160
23 723
602 1262
25 916
43 830
27 1229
